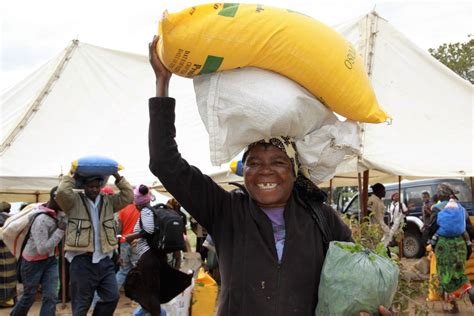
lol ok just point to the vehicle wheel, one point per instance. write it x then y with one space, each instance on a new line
413 245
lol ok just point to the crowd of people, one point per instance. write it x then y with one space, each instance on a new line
452 250
269 246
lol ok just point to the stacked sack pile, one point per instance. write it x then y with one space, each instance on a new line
261 71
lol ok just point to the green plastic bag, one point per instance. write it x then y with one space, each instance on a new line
355 280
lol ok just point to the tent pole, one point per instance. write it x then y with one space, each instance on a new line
365 192
330 192
472 188
400 203
361 213
63 276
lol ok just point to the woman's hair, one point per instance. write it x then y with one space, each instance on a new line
143 189
141 195
309 191
445 192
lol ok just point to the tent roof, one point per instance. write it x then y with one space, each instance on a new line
431 106
89 100
93 100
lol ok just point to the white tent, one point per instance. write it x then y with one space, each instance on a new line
88 100
92 100
431 106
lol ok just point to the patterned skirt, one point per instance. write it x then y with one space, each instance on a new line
7 274
450 263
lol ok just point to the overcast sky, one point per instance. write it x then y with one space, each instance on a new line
32 32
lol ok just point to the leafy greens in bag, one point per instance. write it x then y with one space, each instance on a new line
355 280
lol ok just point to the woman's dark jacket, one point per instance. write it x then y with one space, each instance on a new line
253 282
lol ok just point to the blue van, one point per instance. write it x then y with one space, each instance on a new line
413 243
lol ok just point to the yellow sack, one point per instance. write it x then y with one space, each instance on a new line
469 270
222 36
470 262
433 294
204 295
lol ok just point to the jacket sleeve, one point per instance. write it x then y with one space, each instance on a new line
124 197
39 234
65 195
339 230
197 193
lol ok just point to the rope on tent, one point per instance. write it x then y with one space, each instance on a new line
35 105
369 31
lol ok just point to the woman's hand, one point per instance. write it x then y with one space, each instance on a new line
162 74
382 311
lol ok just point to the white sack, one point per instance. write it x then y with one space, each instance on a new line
244 105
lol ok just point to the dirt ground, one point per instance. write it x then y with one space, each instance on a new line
126 306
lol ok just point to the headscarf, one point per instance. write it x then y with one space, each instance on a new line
305 187
140 198
445 192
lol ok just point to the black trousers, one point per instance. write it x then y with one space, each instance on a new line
86 278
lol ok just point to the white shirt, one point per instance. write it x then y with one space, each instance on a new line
98 254
394 210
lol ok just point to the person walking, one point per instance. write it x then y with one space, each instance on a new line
39 265
91 238
127 218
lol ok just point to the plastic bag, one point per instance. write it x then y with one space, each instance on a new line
241 106
354 280
204 295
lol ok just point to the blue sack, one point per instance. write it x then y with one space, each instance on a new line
95 166
451 220
237 168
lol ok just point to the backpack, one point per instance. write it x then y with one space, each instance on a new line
17 228
16 232
167 235
451 220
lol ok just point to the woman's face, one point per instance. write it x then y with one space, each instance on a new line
268 176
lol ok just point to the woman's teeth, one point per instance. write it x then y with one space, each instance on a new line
267 186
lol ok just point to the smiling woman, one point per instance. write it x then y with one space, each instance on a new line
268 175
270 248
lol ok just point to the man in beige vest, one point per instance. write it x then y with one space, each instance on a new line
90 241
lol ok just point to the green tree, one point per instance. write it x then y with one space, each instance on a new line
459 57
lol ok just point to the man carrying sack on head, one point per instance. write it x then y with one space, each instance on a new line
91 240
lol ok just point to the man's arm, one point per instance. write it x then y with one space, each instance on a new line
131 237
125 196
65 195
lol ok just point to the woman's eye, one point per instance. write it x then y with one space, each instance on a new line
252 163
